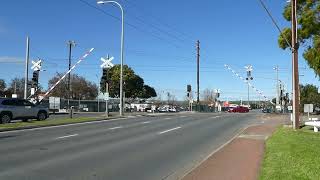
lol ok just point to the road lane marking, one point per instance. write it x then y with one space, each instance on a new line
72 135
167 118
118 127
162 132
215 117
146 122
131 116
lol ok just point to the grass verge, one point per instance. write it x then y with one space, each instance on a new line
35 123
292 155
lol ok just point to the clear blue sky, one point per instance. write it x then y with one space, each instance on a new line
160 41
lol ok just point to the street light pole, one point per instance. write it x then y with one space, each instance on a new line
122 44
26 69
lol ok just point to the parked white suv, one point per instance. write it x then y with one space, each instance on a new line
11 108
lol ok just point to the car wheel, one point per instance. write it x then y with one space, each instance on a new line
41 116
5 118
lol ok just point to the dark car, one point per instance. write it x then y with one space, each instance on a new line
266 110
11 108
239 109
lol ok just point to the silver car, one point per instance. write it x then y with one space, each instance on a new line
11 108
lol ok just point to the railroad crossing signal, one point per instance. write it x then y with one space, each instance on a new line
107 62
36 65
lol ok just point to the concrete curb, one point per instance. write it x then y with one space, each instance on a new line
54 125
79 123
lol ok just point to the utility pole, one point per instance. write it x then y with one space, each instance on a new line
70 44
198 70
277 84
295 70
26 72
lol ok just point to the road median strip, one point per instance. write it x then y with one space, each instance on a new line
53 123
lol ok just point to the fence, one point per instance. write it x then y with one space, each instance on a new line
85 105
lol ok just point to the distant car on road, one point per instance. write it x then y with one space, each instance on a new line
239 109
11 108
266 110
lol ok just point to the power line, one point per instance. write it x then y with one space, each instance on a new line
129 24
156 19
274 22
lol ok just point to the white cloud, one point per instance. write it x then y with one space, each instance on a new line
7 59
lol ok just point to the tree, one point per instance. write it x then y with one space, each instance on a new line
148 92
208 96
171 99
3 87
308 12
309 95
133 86
80 87
16 86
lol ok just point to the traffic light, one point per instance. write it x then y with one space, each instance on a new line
35 78
188 88
104 79
105 73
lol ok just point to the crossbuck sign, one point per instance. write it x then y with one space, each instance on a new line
36 65
106 62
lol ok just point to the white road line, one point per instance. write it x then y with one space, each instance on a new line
162 132
167 118
146 122
215 117
62 137
118 127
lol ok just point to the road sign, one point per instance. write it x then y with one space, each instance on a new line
308 108
290 108
36 65
107 62
54 102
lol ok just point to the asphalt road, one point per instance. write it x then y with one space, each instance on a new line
135 148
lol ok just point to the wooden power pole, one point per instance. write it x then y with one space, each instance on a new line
295 71
198 70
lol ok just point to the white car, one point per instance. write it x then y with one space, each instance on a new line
11 108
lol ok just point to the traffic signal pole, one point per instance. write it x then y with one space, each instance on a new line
71 44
